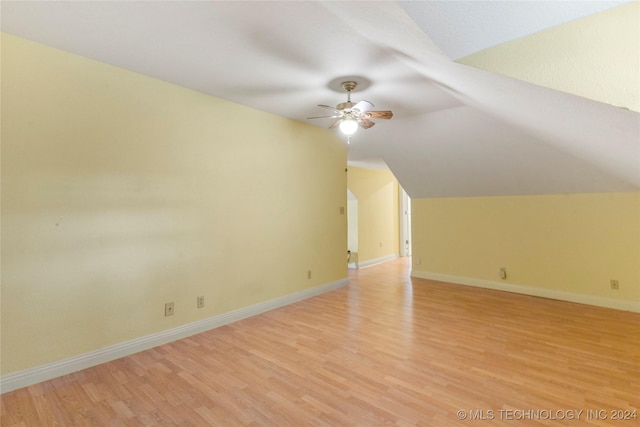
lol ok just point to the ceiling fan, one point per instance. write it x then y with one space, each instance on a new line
352 115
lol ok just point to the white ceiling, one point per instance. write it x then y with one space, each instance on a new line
456 131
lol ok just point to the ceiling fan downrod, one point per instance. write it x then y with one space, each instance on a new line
348 86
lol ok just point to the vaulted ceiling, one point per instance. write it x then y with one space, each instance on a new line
456 131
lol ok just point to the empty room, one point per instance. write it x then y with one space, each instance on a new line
320 213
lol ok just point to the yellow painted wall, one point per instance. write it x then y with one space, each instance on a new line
121 192
572 243
575 243
378 222
596 57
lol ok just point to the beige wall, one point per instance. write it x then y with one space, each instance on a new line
574 243
570 244
121 192
378 226
596 57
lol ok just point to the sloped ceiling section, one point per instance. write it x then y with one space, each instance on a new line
456 131
510 138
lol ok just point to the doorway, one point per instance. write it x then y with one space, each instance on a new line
405 224
352 229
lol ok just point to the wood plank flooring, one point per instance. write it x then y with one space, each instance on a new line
386 350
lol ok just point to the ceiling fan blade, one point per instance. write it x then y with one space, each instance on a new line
335 124
366 123
325 117
363 106
380 114
329 107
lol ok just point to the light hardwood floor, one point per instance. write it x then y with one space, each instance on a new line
385 350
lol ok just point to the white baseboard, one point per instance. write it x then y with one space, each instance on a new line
52 370
533 291
374 261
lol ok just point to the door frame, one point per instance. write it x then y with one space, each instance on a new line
405 223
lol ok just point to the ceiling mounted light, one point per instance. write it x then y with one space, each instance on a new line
348 126
352 115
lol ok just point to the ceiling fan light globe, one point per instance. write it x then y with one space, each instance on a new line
348 126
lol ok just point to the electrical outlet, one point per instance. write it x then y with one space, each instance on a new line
503 273
615 285
200 301
168 309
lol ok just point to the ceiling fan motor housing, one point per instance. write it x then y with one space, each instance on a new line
349 85
345 105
